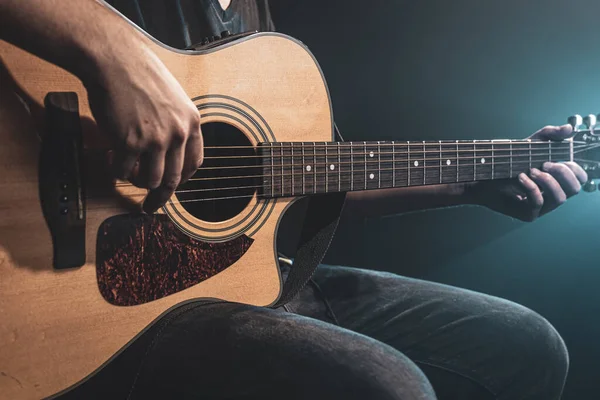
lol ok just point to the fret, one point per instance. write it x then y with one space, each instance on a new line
346 168
457 163
424 164
326 170
416 165
530 166
266 159
351 166
373 170
502 159
293 172
440 161
511 161
393 164
549 150
360 166
286 169
540 155
379 165
465 165
321 174
303 167
493 159
408 166
272 171
332 166
366 169
448 162
483 160
401 165
339 157
297 168
431 165
473 162
314 167
520 158
386 165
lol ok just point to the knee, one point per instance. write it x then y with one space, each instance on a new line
535 342
372 370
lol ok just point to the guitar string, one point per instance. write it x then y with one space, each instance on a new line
319 184
400 154
345 180
418 149
359 163
396 143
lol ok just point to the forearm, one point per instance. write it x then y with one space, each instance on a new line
380 203
78 35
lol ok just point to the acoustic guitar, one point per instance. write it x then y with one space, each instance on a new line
83 272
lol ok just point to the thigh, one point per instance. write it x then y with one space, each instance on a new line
225 350
506 349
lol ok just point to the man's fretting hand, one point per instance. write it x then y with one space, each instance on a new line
534 194
154 126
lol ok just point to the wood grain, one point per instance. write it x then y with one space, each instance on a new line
56 327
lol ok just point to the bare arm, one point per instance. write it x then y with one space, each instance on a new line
75 35
154 126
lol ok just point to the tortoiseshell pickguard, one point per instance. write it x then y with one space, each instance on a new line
141 258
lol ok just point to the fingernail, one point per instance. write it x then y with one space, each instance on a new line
522 177
547 166
535 172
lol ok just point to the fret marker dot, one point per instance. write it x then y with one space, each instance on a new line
448 162
372 176
332 167
483 160
371 154
416 163
308 168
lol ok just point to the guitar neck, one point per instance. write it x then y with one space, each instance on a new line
304 168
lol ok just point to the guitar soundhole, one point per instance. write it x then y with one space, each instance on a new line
228 178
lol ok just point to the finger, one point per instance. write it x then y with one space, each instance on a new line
194 155
564 176
171 177
123 164
579 172
554 195
533 194
556 133
155 167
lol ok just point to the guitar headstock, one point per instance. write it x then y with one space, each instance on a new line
586 147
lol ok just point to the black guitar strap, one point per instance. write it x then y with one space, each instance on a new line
322 217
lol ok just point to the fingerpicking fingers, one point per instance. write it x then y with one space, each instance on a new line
193 155
124 163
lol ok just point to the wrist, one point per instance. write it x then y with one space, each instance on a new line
107 49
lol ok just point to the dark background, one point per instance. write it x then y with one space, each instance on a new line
470 69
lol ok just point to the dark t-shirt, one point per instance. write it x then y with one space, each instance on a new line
182 23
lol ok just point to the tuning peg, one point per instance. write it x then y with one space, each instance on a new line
575 121
590 122
590 187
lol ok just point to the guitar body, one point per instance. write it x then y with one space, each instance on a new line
59 326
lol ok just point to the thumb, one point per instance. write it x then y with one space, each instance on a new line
556 133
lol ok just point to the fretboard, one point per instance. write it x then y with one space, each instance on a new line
302 168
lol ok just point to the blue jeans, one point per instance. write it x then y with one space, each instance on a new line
350 334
